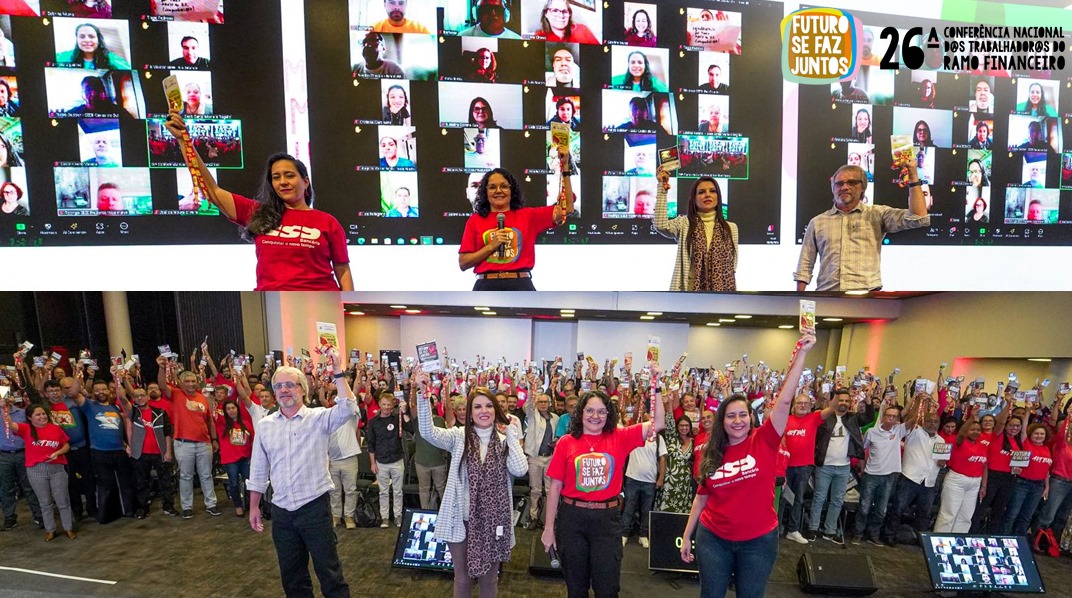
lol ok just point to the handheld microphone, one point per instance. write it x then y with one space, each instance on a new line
502 224
555 563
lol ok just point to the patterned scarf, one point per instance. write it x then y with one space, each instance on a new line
489 508
712 267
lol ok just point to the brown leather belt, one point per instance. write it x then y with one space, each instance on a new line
605 504
501 275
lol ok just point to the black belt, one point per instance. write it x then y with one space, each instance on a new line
14 452
191 441
502 275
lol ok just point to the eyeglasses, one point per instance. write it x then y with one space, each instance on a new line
599 412
558 11
479 108
288 385
848 183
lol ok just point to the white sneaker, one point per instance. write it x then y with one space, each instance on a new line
643 542
383 524
625 541
796 537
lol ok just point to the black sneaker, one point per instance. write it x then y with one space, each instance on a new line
875 542
139 514
9 525
854 539
213 511
40 524
187 514
809 534
836 539
891 542
170 512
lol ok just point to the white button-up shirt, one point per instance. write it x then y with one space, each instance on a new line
293 453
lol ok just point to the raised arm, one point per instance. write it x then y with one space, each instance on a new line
784 402
219 197
663 224
435 436
161 376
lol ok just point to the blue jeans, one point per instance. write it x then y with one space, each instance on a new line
830 479
875 491
637 495
749 562
1057 506
796 479
908 494
1026 495
236 489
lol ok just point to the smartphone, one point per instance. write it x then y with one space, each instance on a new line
1045 383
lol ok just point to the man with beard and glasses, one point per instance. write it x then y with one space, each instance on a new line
291 449
111 466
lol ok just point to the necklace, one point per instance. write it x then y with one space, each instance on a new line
591 447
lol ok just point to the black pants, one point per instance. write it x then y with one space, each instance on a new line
998 492
590 549
81 482
306 532
113 469
909 494
143 468
504 284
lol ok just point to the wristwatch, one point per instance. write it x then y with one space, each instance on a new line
340 375
918 183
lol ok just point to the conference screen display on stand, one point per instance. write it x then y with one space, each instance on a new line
981 563
416 548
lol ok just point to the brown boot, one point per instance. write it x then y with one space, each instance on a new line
335 521
350 523
49 536
71 535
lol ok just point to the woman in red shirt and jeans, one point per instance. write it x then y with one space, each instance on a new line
236 449
586 474
738 532
1032 482
46 444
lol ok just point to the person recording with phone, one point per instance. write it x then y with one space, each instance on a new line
475 516
290 449
499 241
298 247
737 535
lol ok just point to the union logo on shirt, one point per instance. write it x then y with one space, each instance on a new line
294 235
511 249
734 469
63 419
195 406
593 471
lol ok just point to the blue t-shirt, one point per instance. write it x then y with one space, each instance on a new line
9 441
563 425
105 426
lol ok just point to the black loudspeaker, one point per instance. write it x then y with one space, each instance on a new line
836 574
540 561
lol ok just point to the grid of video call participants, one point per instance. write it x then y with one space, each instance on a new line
980 562
989 145
95 71
438 98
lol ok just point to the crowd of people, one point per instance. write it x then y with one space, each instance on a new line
943 455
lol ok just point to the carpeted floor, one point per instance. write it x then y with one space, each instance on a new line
220 556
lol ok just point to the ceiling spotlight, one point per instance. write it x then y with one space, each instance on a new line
743 317
655 313
713 324
482 308
568 311
355 313
647 317
489 313
398 307
857 293
727 320
787 327
413 311
1042 359
569 315
831 319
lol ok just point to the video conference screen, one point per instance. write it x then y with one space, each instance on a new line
992 145
83 151
416 548
981 563
412 102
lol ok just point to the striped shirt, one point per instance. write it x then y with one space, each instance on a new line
293 453
848 245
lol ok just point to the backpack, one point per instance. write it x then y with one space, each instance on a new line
1045 543
365 514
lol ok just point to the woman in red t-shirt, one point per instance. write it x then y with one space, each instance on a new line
298 248
966 481
46 444
1032 482
1006 438
586 473
738 531
236 449
503 254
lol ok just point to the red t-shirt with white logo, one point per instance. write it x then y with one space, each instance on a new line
591 467
49 440
1039 465
740 494
800 438
999 459
520 253
969 458
149 445
301 253
1062 452
985 438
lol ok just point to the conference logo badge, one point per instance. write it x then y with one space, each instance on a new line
819 46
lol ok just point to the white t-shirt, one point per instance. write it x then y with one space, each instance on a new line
884 450
644 463
837 452
343 443
919 466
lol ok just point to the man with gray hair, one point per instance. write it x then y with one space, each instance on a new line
290 448
847 238
195 437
